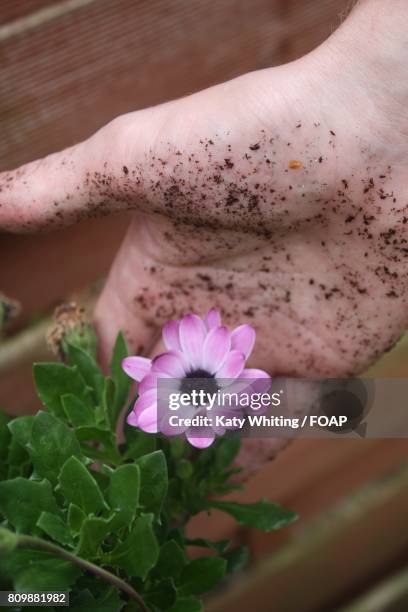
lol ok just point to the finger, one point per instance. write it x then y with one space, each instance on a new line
87 180
46 193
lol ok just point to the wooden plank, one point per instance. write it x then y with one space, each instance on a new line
329 556
11 10
65 78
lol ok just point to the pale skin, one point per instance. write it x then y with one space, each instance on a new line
279 197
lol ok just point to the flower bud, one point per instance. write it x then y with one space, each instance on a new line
184 469
177 448
71 327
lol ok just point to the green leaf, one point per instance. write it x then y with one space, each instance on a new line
236 559
154 481
53 380
54 526
79 487
94 433
22 501
108 403
52 442
187 604
93 531
201 575
162 595
34 570
76 517
220 546
84 601
107 438
139 443
121 380
227 451
77 412
261 515
88 369
139 552
123 493
5 435
18 460
171 560
21 429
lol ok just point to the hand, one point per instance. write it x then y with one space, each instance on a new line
279 198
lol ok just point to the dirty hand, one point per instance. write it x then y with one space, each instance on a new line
279 197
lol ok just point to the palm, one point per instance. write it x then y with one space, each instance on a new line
311 256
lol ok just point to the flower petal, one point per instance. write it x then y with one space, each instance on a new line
136 367
170 363
216 347
171 335
192 336
243 339
147 420
145 401
261 379
132 418
200 437
232 366
212 318
179 427
148 382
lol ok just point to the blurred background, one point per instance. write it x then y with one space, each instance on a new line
67 68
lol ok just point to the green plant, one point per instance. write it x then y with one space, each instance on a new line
104 519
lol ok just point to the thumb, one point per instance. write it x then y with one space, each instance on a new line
80 182
47 193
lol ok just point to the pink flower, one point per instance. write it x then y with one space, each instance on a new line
196 349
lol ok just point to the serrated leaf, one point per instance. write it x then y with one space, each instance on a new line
17 458
262 515
84 601
187 604
76 517
220 546
53 380
79 487
171 561
34 570
78 413
201 575
121 380
54 526
88 369
107 438
22 501
162 595
138 443
139 552
123 493
52 442
154 481
93 531
236 559
21 428
94 433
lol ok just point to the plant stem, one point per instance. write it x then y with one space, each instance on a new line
25 541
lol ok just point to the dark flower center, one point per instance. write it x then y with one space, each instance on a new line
199 380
